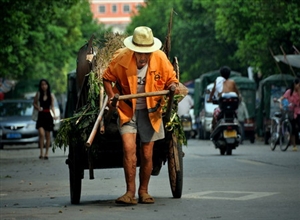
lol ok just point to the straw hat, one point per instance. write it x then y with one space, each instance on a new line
142 41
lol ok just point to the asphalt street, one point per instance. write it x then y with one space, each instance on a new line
253 183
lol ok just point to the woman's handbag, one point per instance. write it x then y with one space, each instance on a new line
35 112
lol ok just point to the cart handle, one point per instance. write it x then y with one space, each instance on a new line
144 94
96 125
117 97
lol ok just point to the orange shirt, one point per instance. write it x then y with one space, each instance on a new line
123 71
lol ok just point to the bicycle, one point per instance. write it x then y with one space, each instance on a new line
281 129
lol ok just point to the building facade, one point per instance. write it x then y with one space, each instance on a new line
115 13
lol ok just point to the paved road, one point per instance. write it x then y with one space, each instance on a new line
253 183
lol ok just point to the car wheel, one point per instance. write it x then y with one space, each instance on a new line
200 136
206 135
267 137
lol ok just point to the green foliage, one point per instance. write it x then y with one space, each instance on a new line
209 34
80 125
175 125
193 39
40 39
256 27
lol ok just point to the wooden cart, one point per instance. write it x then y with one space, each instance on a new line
106 151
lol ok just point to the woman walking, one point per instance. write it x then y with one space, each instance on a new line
44 103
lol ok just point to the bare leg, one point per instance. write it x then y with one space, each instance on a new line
146 166
129 161
41 140
48 141
293 142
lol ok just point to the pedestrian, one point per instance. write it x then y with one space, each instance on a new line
293 97
44 103
242 114
139 67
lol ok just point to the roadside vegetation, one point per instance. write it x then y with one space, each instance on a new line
207 34
40 39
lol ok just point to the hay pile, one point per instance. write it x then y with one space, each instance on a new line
104 55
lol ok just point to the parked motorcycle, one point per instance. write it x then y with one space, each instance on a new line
186 121
227 133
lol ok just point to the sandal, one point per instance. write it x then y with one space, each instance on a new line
145 198
127 199
41 157
46 157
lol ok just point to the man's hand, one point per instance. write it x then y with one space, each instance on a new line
176 85
113 103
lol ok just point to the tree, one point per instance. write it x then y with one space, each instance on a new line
193 39
209 34
256 27
40 38
197 47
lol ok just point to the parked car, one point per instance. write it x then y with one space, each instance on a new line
16 125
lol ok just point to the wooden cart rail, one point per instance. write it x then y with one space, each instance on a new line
118 97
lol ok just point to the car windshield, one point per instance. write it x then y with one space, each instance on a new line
15 109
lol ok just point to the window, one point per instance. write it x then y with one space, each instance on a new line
114 8
126 8
101 9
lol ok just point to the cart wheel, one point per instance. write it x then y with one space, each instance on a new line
229 150
175 167
75 174
222 150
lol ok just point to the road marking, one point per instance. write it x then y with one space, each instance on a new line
251 162
228 195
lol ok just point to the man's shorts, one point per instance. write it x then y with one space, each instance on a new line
140 123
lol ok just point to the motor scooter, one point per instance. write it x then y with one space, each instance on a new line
227 133
186 121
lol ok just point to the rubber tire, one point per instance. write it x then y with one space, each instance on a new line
285 142
201 135
75 174
206 135
1 146
272 140
175 177
222 150
252 137
267 137
187 135
228 150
